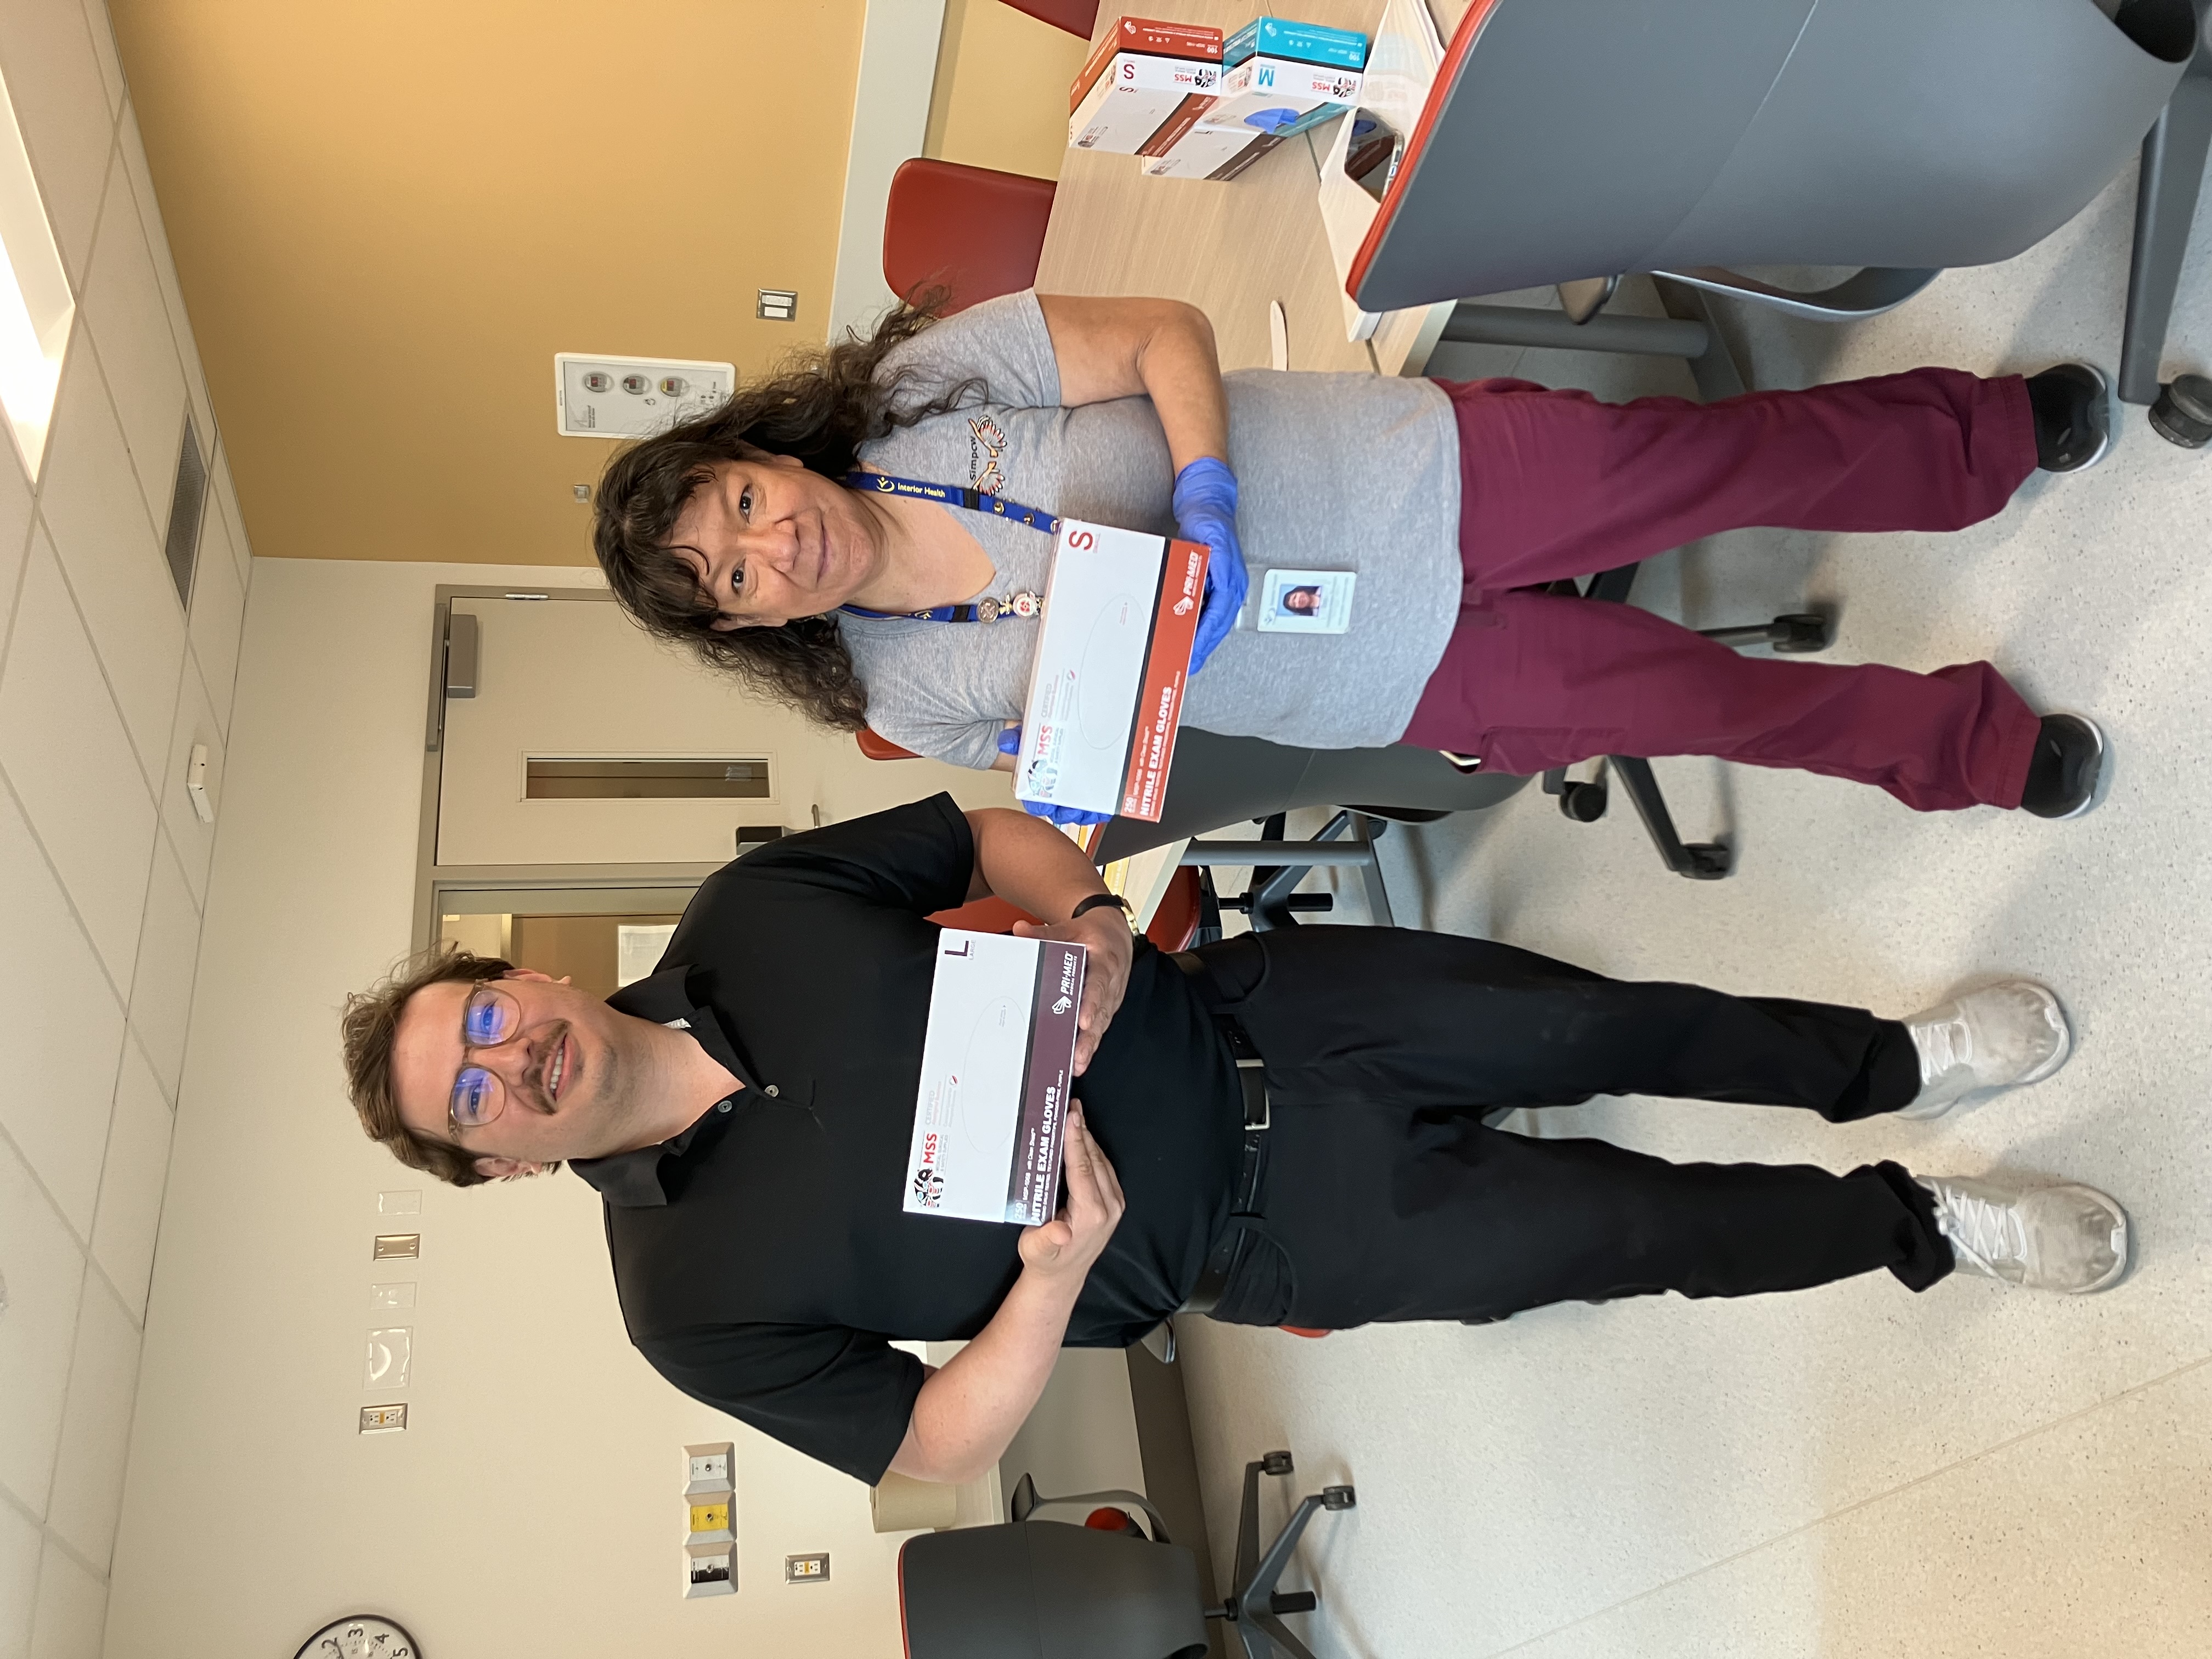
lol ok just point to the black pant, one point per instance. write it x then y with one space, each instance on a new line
1384 1196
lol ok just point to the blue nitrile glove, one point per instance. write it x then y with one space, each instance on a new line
1206 511
1010 743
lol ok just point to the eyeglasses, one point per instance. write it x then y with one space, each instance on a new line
491 1018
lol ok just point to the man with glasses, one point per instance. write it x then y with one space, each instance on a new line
1282 1128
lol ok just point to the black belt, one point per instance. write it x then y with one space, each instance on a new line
1244 1199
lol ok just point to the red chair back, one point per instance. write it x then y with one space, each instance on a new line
1076 16
875 746
978 232
1175 924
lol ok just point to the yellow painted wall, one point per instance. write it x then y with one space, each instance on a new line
1001 95
380 205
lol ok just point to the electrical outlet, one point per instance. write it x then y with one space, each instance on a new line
396 1246
383 1419
633 396
805 1569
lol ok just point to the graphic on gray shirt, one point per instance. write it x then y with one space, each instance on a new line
1335 473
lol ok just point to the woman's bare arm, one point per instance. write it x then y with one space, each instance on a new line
1160 349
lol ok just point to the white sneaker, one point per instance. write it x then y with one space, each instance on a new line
2069 1238
1997 1037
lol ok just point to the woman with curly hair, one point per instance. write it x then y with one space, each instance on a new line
762 537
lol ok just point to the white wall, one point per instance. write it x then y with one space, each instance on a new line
107 684
532 1507
890 115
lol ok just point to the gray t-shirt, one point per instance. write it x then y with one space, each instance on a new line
1335 473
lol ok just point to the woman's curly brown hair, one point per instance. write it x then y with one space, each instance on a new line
821 405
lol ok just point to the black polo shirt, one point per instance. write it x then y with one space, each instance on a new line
762 1257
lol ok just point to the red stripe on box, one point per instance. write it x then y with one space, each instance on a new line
1159 707
1193 105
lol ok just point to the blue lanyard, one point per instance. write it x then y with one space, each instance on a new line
986 609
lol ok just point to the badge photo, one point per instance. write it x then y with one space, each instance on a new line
1306 601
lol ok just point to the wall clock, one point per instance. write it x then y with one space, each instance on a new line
360 1636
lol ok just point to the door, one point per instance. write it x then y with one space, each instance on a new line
586 742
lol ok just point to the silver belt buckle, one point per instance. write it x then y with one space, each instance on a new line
1267 1106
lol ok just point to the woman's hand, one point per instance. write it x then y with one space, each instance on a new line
1010 743
1206 511
1105 937
1060 1252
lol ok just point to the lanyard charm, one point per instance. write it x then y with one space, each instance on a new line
1024 604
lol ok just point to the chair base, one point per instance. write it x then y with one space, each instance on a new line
1255 1607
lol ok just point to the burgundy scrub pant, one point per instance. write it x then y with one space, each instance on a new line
1557 484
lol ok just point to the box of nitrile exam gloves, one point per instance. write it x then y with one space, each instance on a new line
1301 43
1146 84
1278 79
1270 93
1112 653
998 1059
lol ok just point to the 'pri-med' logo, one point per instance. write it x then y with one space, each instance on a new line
928 1188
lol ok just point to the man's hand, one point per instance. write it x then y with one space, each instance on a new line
1061 1251
1105 933
966 1414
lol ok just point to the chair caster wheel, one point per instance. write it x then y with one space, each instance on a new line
2183 413
1275 1462
1709 861
1585 803
1338 1498
1802 633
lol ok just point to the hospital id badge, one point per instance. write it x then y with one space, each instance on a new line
1306 601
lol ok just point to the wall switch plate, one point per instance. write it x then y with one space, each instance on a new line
806 1569
383 1419
710 1570
390 1354
396 1246
778 305
633 396
196 784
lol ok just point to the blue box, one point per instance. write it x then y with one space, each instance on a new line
1300 43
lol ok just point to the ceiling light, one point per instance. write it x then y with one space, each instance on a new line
36 307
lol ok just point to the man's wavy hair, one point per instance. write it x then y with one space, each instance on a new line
367 1030
820 405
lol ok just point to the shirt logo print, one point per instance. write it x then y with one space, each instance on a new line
986 444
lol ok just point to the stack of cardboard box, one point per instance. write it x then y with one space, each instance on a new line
1200 107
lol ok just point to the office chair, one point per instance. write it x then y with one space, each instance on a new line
978 232
1045 1589
1682 137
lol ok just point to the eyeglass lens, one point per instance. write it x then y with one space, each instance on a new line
490 1019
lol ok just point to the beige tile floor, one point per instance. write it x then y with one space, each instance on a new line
1856 1470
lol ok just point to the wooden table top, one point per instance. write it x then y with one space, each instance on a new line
1226 248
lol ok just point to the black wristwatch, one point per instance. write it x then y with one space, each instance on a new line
1098 900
